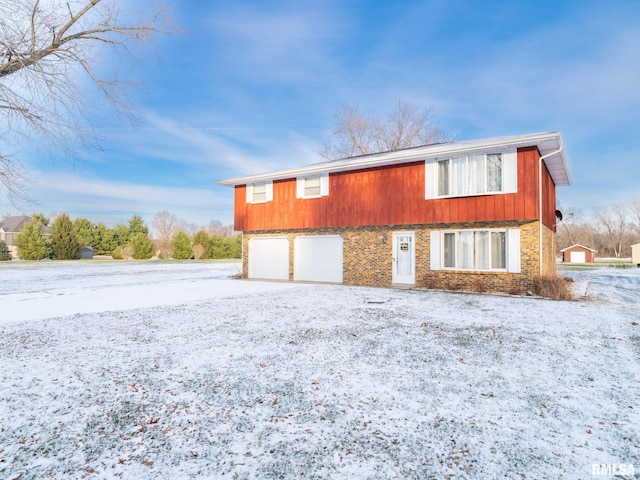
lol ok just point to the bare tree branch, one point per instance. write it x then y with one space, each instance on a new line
357 133
47 50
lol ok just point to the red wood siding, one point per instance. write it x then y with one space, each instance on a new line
395 195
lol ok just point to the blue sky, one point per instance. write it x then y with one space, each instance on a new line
252 86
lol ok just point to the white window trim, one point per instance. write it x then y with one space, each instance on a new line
269 192
509 175
324 186
512 250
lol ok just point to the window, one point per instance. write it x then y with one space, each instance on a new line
473 174
260 192
314 186
475 250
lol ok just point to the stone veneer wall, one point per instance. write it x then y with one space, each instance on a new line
368 250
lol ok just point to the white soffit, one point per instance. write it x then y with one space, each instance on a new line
547 143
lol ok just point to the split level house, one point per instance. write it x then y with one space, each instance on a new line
10 228
477 215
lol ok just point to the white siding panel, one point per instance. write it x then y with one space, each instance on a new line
513 250
430 179
269 191
269 258
434 254
318 258
300 187
249 193
510 166
324 185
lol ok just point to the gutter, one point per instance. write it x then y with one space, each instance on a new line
560 149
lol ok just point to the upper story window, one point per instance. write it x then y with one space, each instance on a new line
480 174
314 186
260 192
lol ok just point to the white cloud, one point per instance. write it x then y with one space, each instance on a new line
76 194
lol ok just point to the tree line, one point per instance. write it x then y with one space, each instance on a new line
63 239
611 229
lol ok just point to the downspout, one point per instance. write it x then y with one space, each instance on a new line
540 198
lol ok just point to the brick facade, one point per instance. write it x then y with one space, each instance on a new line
367 256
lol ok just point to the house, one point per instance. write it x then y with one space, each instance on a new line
578 254
9 230
476 215
635 254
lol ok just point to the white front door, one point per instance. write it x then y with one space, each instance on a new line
404 258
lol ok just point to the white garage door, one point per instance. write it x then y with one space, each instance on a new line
318 258
269 258
578 257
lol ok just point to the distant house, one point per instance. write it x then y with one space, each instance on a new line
635 254
87 253
578 254
9 230
477 215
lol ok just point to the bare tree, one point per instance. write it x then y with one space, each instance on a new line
357 133
613 223
48 51
634 207
165 226
569 229
217 228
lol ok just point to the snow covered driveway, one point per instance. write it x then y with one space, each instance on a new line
273 380
33 291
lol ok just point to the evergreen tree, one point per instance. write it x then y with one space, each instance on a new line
235 249
5 254
31 242
64 242
142 246
40 216
121 235
202 238
85 232
105 239
218 247
136 225
182 248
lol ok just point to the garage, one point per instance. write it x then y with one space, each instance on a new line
578 254
318 258
578 257
269 258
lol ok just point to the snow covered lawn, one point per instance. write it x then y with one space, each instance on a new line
173 370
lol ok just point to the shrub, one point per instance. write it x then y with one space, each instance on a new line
142 246
5 254
31 242
554 287
182 249
117 254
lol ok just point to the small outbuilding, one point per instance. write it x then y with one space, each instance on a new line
578 254
87 253
635 254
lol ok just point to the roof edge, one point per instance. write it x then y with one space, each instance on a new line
547 143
